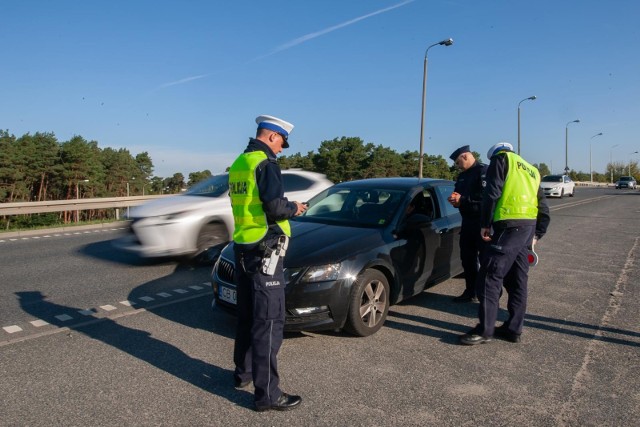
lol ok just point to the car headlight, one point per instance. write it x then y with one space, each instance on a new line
313 274
174 216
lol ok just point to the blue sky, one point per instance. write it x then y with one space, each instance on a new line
184 80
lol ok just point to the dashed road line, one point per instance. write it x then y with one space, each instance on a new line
75 233
94 314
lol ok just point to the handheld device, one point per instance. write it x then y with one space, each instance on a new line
271 256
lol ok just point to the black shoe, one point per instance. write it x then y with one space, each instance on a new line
473 339
241 384
465 298
504 333
285 402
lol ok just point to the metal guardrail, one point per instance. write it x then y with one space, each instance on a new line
23 208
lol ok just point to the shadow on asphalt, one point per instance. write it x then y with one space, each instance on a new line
141 345
449 332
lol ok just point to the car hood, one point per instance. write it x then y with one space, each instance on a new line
174 204
318 244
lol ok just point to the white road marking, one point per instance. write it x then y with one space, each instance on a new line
38 323
91 311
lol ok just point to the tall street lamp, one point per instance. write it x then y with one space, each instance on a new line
591 168
531 98
78 197
611 160
566 146
635 152
133 179
447 42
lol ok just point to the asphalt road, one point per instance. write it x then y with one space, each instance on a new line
148 350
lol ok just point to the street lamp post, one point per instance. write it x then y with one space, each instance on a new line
132 179
566 145
635 152
78 197
611 160
447 42
591 168
531 98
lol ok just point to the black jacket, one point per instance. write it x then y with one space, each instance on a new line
470 185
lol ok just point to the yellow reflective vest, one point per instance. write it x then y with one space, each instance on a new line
250 220
519 198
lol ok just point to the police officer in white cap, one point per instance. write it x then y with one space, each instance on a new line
514 214
261 213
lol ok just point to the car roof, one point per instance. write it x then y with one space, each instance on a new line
390 183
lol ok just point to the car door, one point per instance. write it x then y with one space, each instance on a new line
448 224
413 257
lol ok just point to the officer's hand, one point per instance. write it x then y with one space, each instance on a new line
454 199
485 233
302 207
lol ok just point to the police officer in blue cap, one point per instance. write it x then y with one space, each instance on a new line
261 233
467 196
514 215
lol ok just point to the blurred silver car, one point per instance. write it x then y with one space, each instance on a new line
190 224
558 186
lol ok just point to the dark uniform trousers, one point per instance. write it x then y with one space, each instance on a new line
261 314
472 249
505 264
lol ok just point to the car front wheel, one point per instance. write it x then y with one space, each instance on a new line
369 303
573 192
211 239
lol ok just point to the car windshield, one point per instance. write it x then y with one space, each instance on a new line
625 178
353 206
552 178
215 186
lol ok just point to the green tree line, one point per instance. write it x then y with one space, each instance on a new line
38 167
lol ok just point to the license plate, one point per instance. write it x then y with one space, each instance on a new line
228 295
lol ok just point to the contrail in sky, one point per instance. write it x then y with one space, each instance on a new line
299 40
185 80
311 36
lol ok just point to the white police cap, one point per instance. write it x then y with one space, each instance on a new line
500 146
275 124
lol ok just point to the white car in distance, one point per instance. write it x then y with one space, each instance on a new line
558 186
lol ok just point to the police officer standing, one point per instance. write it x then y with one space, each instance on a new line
261 213
467 196
514 216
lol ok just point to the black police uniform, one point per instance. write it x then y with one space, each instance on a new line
470 185
505 262
260 298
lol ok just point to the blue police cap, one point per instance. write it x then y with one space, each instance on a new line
455 154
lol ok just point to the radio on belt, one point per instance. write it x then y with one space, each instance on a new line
271 256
